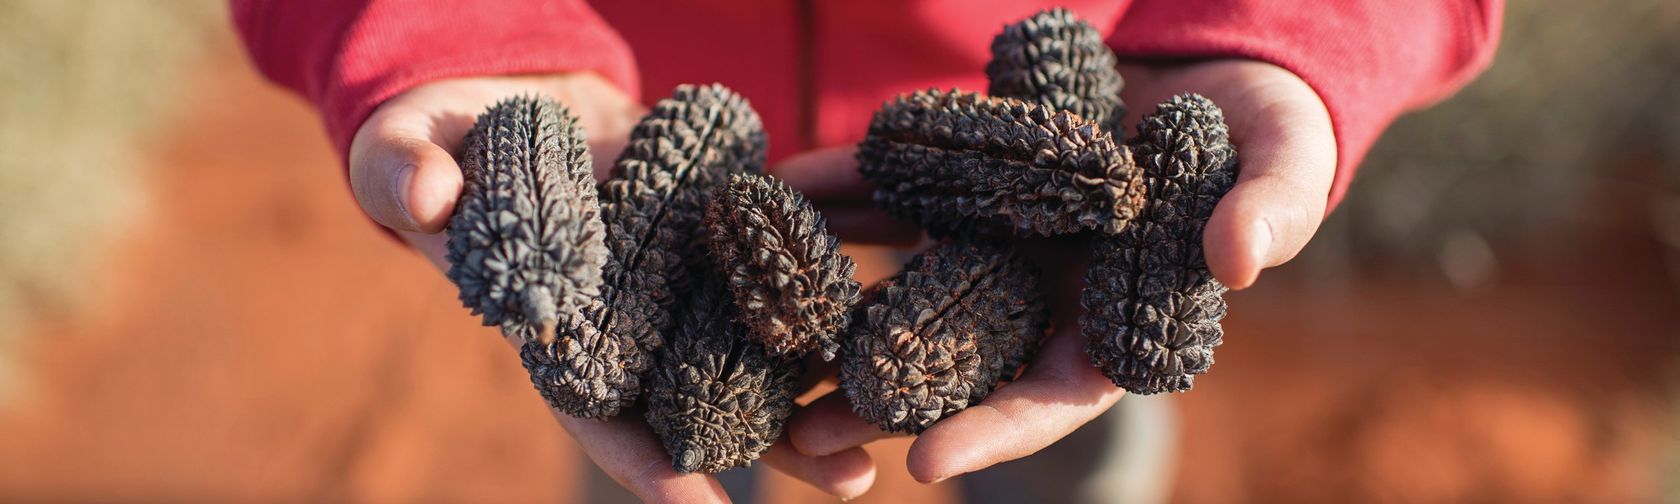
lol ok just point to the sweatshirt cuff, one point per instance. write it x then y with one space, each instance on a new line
349 58
1369 61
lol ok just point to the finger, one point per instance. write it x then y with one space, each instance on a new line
828 426
626 450
846 474
827 174
401 178
1059 393
869 225
433 246
1286 155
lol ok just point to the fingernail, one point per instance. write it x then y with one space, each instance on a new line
1262 249
401 189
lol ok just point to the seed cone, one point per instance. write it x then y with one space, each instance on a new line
652 209
525 242
587 372
1152 308
956 162
793 286
717 400
939 336
1061 62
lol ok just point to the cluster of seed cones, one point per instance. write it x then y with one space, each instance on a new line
688 278
692 284
1041 155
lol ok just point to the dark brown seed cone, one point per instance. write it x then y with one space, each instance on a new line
653 208
588 373
690 144
956 162
1152 308
715 399
793 286
1061 62
526 240
939 336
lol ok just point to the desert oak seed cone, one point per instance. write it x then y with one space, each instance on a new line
588 372
939 336
526 241
956 162
1061 62
652 207
717 400
792 285
1152 308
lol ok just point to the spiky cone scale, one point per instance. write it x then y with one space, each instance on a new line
716 399
793 287
1152 308
526 241
652 209
941 335
1061 62
958 163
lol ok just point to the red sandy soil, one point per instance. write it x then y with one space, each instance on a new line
253 338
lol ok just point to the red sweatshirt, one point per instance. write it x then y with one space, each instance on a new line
817 70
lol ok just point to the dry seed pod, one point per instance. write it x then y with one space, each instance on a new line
1061 62
526 243
715 399
652 209
1152 308
587 372
690 144
956 162
793 286
939 336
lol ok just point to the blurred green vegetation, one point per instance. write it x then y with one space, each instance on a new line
82 83
1578 91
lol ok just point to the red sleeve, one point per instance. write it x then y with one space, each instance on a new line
1369 60
348 57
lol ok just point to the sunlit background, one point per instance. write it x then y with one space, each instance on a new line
192 309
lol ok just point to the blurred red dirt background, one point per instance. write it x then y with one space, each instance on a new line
254 338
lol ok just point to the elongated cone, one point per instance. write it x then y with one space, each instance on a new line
1152 308
526 240
686 147
939 337
717 400
1061 62
957 163
793 286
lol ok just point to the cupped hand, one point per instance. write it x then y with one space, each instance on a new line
404 175
1287 157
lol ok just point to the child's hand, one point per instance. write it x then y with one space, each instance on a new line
1287 155
404 175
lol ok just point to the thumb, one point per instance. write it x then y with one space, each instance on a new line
401 178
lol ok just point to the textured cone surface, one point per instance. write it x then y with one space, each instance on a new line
716 399
956 162
939 336
1152 307
792 285
586 372
526 240
1060 62
652 208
